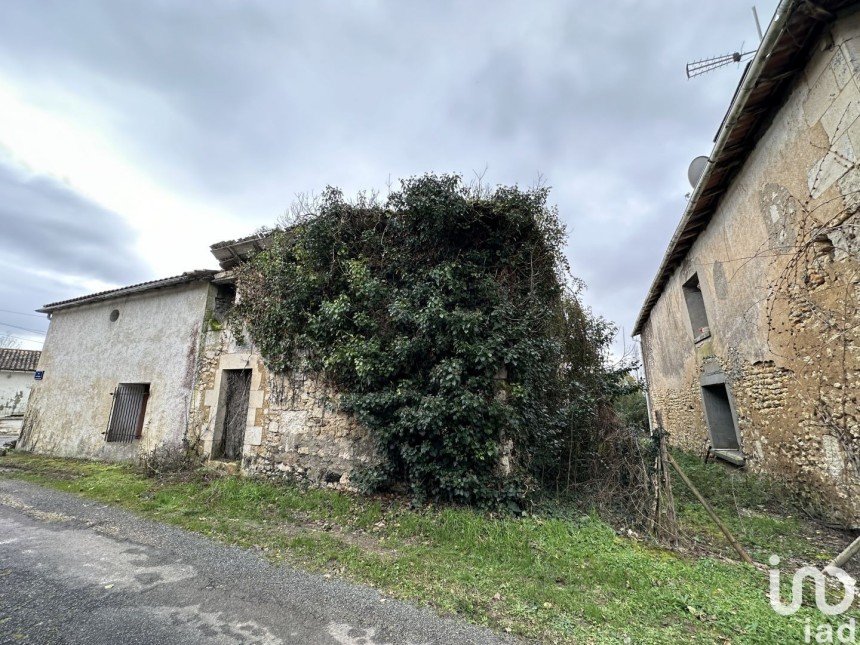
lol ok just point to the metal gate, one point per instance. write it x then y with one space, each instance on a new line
129 407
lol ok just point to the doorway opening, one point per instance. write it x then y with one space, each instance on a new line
232 415
721 423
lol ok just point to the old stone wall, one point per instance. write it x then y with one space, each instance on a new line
153 340
778 267
307 435
295 426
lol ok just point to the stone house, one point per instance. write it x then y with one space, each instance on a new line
749 333
151 365
17 368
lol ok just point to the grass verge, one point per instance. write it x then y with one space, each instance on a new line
756 510
558 580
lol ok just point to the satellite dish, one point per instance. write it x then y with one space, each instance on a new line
697 169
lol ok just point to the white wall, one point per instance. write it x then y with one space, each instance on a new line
155 340
14 391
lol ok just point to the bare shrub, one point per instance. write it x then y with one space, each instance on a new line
171 459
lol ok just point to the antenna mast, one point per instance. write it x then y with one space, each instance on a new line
699 67
757 24
705 65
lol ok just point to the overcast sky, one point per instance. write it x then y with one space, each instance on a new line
135 134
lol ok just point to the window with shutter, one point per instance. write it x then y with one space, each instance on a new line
127 413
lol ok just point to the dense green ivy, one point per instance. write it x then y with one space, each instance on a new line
445 317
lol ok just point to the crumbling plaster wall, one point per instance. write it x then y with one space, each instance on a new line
14 392
782 300
295 427
154 340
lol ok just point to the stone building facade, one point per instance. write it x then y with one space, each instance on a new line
293 426
750 332
153 365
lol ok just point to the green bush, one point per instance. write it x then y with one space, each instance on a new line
446 318
631 406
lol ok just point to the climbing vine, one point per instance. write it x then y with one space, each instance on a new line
446 318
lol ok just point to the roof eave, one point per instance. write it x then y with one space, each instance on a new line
188 277
231 253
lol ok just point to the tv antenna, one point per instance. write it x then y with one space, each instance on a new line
705 65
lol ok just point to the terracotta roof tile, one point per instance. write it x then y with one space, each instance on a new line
19 360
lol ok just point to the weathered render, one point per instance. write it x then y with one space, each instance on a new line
777 266
144 334
205 390
17 367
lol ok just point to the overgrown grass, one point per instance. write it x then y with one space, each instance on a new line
753 507
559 580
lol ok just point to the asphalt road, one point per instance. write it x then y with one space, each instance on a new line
74 571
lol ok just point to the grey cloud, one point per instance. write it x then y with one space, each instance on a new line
245 104
47 226
21 293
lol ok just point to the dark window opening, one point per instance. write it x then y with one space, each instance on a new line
114 315
127 412
696 309
235 392
225 298
721 422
